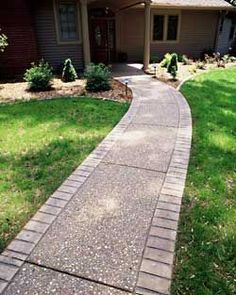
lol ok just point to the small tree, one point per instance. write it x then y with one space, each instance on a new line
3 42
69 73
172 67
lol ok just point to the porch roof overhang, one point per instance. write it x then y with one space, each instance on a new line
118 5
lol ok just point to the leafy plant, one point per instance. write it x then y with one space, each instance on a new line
166 60
69 73
186 60
201 65
98 77
3 42
39 76
205 52
172 67
180 57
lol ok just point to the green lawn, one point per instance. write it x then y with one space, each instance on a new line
41 142
206 255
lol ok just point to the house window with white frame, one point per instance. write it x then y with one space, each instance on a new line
165 27
66 13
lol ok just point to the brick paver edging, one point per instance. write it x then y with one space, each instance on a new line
21 247
156 268
157 263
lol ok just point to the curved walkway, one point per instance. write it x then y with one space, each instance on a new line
111 226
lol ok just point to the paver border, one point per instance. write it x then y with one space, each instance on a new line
157 263
156 269
18 251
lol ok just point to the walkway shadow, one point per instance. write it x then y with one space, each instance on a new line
127 70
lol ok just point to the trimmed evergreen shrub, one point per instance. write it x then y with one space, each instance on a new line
172 67
98 77
69 73
39 76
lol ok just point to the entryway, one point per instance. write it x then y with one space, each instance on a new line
102 35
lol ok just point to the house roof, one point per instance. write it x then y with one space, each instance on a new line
211 4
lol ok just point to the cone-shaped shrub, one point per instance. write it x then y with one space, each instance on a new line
69 73
172 67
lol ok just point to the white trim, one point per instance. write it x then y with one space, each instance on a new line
59 41
166 13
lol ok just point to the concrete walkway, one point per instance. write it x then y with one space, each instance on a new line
111 226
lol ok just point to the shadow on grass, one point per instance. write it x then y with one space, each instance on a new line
34 164
206 249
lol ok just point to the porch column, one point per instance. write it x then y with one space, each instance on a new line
146 59
85 32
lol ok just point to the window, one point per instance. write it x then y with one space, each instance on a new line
158 27
66 13
172 30
165 27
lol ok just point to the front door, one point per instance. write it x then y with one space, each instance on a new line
102 38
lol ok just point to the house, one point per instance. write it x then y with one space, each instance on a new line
111 30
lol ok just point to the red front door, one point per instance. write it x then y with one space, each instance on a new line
102 38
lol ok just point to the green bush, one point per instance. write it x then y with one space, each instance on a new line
69 73
180 57
98 77
186 60
153 59
172 67
166 60
39 76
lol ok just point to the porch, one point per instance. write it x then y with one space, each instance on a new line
99 26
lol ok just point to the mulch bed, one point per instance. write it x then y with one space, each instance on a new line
15 91
184 72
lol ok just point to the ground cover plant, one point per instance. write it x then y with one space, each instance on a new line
41 143
206 249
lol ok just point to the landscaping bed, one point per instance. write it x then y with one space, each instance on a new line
41 143
13 91
206 248
184 72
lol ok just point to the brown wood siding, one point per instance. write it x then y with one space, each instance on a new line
130 33
197 33
16 23
49 49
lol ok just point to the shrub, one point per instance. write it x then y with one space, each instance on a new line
39 76
69 73
200 65
154 59
172 67
166 60
186 60
3 42
98 77
180 57
208 52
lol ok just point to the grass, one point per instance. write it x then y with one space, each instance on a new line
41 142
206 248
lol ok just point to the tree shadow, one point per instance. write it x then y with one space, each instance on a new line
206 257
28 177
